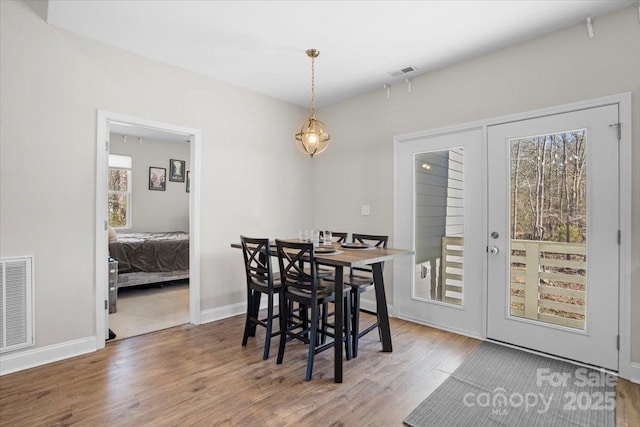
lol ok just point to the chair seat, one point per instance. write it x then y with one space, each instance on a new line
264 286
325 292
321 272
355 281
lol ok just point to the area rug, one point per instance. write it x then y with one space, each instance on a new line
502 386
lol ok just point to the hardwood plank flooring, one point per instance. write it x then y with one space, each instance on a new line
202 376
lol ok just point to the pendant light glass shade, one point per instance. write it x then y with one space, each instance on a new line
313 137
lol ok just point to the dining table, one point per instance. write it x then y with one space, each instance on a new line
347 256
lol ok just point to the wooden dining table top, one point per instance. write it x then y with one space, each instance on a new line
347 257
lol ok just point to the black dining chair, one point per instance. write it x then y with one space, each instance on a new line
260 280
329 272
336 237
359 280
339 236
301 284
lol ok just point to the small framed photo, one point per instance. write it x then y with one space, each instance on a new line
177 170
157 178
188 181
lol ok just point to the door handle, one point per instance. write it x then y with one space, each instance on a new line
494 250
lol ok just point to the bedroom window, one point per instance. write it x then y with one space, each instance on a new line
119 191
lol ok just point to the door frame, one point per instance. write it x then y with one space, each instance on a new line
102 249
623 100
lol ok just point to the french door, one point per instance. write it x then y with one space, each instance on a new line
552 254
439 214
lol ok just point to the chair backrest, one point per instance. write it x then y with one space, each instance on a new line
257 261
293 257
342 237
379 241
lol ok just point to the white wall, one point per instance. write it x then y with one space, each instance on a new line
154 210
557 69
52 84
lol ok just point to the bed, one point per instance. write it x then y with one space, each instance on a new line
152 257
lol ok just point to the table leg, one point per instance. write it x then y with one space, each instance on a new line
381 304
339 326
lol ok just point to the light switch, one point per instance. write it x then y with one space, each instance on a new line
365 210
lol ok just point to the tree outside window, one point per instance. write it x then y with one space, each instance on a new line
119 191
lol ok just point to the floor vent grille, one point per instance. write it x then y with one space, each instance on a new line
16 303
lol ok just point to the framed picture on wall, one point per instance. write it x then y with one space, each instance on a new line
177 170
157 178
188 181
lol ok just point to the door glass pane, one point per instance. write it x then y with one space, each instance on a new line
548 228
439 226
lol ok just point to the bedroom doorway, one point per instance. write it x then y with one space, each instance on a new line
149 222
153 198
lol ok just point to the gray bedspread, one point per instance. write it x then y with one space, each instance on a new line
151 252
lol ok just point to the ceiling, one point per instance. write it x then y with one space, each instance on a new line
260 45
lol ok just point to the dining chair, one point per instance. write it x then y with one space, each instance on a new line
359 280
329 272
301 284
339 236
260 280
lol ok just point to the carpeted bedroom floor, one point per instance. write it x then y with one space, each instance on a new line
144 309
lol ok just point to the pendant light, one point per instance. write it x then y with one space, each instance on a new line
312 138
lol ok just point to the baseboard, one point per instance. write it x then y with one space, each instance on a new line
42 355
227 311
634 372
369 305
219 313
470 334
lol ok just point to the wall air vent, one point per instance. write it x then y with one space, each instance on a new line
16 303
403 71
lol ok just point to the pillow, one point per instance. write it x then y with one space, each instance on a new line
113 237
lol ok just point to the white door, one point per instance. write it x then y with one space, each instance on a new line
553 235
439 214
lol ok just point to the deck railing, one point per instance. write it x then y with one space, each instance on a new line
548 279
452 269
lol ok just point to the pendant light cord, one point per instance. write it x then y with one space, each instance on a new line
313 87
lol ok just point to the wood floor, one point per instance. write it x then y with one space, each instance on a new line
202 376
